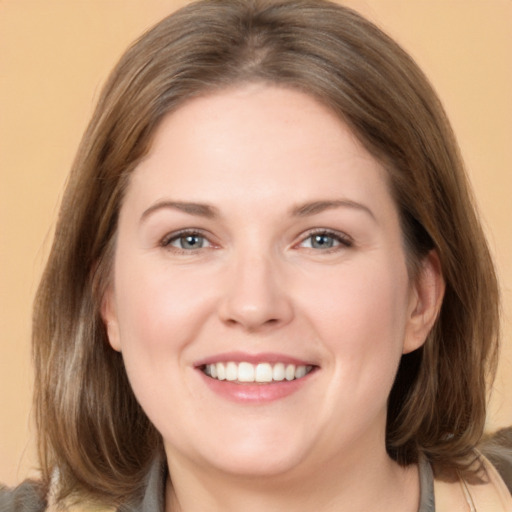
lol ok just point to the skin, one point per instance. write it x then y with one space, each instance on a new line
255 282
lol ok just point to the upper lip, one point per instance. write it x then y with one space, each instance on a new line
262 357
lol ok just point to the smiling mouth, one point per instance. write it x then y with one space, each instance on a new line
261 373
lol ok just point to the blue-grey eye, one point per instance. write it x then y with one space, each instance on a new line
322 241
325 241
188 242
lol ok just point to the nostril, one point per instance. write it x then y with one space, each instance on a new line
255 307
252 324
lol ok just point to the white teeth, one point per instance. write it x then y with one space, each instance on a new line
221 371
278 372
300 372
260 373
263 373
231 371
245 372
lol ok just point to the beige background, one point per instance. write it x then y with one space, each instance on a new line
54 56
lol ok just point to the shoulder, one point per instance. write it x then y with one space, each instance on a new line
460 495
30 496
27 497
497 448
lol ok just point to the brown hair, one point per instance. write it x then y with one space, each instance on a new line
90 426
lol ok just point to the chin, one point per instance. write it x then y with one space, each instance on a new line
258 464
246 456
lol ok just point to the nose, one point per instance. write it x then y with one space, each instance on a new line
255 296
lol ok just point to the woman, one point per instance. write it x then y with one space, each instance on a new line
267 272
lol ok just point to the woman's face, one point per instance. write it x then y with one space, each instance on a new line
258 242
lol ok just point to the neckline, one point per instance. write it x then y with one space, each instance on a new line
153 499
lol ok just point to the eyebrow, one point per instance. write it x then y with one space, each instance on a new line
198 209
315 207
210 212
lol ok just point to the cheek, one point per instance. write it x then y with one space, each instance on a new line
159 314
153 302
361 315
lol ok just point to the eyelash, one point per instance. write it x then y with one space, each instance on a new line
342 240
167 241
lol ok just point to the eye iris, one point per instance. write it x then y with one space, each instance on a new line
322 241
191 242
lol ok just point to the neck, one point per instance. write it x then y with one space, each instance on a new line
355 484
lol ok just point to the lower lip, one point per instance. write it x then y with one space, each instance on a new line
254 393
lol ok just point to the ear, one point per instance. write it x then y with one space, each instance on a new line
425 303
109 316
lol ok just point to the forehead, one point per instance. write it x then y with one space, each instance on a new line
253 136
